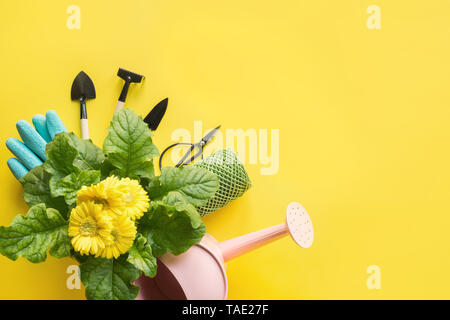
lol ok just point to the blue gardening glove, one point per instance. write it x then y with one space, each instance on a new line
31 152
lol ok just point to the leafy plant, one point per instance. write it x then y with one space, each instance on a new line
171 223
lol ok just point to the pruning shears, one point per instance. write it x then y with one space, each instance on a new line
199 145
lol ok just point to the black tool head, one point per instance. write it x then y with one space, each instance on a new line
82 87
129 76
156 114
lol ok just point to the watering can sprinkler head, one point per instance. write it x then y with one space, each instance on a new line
299 225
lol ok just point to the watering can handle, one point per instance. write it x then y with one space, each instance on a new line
235 247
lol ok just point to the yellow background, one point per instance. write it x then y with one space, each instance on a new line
363 118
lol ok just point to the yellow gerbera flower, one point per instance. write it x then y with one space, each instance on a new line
90 228
135 198
105 193
123 233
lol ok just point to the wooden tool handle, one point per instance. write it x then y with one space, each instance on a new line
84 129
119 105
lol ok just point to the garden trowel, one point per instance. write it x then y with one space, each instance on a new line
155 115
82 90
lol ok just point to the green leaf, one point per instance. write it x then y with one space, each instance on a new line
140 255
154 188
196 184
61 155
106 169
67 153
129 145
109 279
70 184
146 170
167 229
32 235
71 163
90 157
36 190
178 202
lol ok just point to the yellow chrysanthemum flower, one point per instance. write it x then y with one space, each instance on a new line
90 228
135 198
123 233
102 224
105 193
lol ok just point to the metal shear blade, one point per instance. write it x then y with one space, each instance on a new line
199 145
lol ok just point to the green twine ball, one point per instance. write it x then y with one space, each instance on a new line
233 179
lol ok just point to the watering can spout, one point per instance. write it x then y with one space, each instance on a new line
298 224
235 247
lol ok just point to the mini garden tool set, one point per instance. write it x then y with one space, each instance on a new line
109 210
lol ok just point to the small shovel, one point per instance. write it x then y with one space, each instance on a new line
82 90
154 117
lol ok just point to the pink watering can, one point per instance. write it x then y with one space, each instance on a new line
199 273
